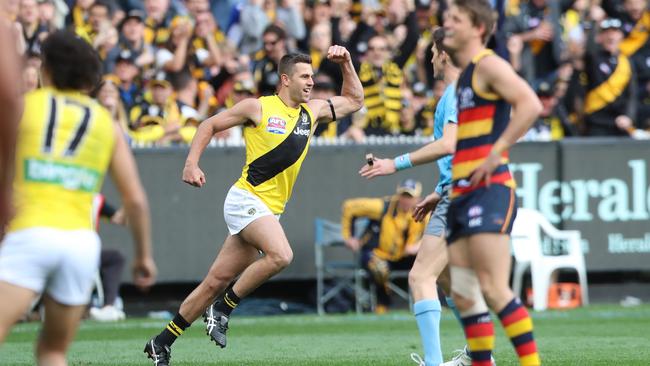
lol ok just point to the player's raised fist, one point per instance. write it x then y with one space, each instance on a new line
338 54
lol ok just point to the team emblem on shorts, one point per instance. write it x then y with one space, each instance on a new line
252 211
276 125
475 211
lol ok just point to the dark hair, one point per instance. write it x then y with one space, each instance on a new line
289 60
277 30
181 79
71 62
438 39
480 13
101 3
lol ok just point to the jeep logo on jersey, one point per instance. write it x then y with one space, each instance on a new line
301 131
276 125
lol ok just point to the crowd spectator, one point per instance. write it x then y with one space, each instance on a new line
266 66
131 39
381 70
33 31
553 122
392 237
30 78
610 100
157 119
560 47
538 27
187 93
127 72
636 23
108 95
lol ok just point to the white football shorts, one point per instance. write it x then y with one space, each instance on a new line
241 208
61 263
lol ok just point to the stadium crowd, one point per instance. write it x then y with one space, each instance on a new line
169 64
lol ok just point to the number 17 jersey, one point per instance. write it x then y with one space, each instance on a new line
64 145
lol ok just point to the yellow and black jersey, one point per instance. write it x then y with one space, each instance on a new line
275 150
609 83
149 120
65 143
198 53
383 97
389 231
158 33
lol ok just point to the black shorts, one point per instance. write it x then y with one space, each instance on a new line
486 210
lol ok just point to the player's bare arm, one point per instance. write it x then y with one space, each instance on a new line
10 109
351 98
495 75
10 92
426 154
248 110
136 208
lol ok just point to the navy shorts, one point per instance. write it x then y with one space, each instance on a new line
485 210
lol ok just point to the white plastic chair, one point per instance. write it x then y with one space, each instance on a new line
526 240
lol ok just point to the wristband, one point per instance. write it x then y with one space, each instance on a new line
403 162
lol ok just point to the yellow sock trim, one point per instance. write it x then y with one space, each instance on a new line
229 302
176 327
169 328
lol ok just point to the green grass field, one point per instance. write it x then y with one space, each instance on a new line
600 335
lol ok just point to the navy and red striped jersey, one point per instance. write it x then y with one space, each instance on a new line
482 117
